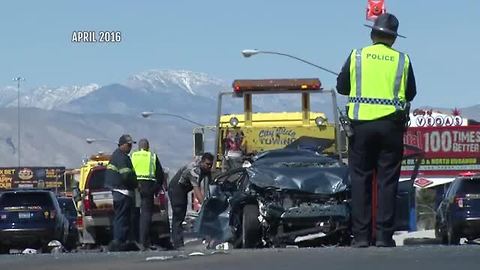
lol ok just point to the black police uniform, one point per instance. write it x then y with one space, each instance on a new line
181 184
375 147
147 190
120 177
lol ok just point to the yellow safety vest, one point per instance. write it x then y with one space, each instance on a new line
378 78
144 165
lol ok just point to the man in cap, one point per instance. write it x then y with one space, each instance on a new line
188 178
120 177
150 177
380 83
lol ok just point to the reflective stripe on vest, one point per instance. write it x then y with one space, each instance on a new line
120 171
144 164
378 76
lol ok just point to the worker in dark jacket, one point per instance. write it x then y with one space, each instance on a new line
188 178
150 177
379 81
120 177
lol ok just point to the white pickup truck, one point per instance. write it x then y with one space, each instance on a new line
95 210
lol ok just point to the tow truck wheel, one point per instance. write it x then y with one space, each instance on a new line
250 227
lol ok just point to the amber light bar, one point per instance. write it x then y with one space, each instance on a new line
276 84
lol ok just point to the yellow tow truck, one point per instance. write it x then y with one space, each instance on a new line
94 202
251 132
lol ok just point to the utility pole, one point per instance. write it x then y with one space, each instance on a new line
18 80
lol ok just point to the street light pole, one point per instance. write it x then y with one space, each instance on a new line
148 114
18 80
92 140
249 52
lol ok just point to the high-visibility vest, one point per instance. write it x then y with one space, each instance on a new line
378 78
144 165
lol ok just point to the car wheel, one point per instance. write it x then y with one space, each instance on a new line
250 227
453 236
4 249
71 243
440 233
444 238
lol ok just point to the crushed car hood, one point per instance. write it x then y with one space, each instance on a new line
299 170
311 180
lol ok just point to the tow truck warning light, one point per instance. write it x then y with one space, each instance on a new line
276 85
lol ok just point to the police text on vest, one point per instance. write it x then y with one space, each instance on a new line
380 57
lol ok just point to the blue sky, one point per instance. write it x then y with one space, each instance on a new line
207 36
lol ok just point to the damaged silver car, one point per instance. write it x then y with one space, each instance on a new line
288 196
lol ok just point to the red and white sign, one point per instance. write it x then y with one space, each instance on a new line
375 8
423 182
447 150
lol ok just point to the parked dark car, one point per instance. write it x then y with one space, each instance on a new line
458 214
70 212
30 219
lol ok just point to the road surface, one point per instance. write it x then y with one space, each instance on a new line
404 258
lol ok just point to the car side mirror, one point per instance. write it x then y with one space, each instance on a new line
76 194
198 144
343 142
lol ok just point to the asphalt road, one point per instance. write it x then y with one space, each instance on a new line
405 258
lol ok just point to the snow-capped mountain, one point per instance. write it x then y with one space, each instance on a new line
190 94
8 94
48 98
161 90
167 81
44 97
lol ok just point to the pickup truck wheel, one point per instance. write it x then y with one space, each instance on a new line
250 227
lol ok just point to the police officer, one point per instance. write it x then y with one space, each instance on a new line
150 178
186 179
120 177
379 82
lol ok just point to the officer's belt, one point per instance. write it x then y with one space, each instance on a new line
379 101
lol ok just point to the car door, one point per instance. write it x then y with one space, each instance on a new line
441 215
449 200
405 207
60 220
214 216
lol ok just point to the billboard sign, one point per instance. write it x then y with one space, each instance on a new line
447 150
32 177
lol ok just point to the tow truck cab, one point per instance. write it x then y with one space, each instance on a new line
254 132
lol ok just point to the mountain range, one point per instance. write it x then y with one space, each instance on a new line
55 121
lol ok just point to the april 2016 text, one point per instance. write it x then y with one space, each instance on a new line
96 37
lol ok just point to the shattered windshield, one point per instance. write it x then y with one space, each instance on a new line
331 164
